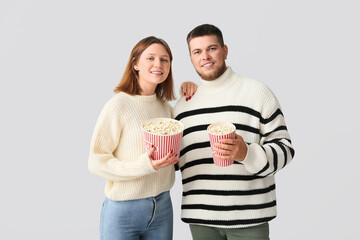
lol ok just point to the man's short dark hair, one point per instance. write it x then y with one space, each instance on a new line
203 30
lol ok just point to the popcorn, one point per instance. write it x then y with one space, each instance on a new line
221 129
162 126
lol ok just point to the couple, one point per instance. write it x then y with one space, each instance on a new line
234 202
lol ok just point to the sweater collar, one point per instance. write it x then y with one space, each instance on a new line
143 98
219 84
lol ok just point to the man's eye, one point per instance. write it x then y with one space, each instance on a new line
212 49
150 58
196 52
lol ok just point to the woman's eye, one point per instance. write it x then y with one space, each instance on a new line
150 58
164 60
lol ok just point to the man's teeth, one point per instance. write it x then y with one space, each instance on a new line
207 65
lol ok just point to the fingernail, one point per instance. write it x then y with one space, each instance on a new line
152 146
184 93
187 99
176 155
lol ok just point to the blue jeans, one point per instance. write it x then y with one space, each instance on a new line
143 219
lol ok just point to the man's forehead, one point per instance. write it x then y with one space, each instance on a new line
203 42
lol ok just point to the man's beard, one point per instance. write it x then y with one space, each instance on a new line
214 75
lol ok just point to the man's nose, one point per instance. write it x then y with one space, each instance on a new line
205 55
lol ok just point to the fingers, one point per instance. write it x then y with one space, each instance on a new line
225 157
237 141
150 152
185 88
189 94
191 89
226 151
167 158
228 148
222 146
188 89
166 161
223 153
228 141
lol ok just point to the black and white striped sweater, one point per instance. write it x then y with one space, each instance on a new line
242 194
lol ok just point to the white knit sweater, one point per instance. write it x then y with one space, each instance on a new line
117 151
242 194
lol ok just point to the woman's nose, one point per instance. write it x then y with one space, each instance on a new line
157 62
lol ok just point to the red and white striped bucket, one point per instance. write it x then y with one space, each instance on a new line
163 144
215 138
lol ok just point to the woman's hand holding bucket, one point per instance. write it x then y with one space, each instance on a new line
166 161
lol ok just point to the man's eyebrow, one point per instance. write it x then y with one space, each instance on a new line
196 49
211 45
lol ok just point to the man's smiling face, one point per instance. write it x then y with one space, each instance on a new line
208 56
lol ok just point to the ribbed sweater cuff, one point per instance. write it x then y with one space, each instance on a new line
147 163
255 159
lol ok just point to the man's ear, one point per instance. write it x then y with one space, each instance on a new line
225 49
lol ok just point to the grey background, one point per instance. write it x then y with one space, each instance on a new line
60 60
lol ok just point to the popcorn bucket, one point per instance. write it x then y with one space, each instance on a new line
217 132
162 143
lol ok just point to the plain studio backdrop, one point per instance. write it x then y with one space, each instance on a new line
60 60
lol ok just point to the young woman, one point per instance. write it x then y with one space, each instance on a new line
137 204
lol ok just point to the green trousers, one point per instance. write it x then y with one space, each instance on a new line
259 232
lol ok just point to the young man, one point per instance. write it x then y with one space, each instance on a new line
237 201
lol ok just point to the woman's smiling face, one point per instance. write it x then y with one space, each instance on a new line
153 67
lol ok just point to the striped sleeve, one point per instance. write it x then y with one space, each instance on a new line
275 150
